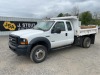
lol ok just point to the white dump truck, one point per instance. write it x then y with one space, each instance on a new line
51 34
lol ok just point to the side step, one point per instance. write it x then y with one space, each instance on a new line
62 47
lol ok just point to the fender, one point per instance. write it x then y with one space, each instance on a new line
38 39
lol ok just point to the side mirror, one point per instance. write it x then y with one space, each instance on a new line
58 30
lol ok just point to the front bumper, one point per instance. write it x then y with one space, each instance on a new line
20 49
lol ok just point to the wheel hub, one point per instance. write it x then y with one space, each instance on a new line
40 54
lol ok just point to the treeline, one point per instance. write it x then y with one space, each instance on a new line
86 18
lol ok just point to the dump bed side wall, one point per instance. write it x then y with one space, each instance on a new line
88 31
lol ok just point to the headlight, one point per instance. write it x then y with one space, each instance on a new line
23 41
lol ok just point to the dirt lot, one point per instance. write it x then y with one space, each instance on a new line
69 61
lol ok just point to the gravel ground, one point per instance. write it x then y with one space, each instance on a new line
69 61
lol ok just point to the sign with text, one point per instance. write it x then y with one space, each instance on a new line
16 25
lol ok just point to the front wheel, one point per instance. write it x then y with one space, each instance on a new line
38 53
86 42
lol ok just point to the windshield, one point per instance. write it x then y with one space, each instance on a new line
45 25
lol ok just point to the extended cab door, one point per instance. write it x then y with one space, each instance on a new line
70 32
60 39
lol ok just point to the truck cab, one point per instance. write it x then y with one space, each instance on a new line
50 34
61 33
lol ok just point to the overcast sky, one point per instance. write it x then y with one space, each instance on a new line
43 8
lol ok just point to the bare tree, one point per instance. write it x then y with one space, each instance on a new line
75 11
95 15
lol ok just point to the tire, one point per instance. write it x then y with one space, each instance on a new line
38 53
86 42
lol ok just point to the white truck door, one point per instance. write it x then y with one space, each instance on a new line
59 39
70 32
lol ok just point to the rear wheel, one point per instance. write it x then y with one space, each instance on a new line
86 42
38 53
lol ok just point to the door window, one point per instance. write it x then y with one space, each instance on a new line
68 26
59 25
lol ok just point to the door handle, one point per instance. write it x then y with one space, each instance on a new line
66 34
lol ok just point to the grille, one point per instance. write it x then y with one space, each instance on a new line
13 40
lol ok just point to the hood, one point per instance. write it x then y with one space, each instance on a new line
26 32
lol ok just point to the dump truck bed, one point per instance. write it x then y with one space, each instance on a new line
86 30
